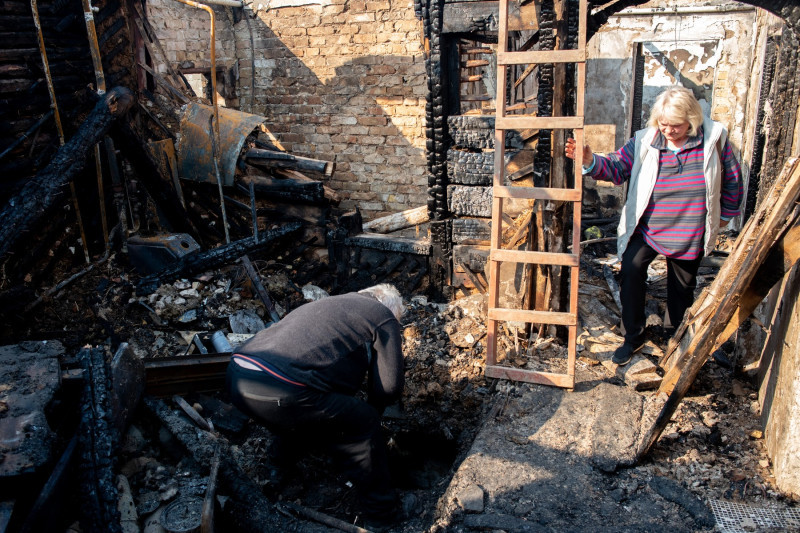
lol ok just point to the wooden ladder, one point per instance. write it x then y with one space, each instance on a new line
502 192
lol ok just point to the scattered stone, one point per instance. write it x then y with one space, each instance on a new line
471 499
168 493
246 321
737 389
419 300
133 441
148 502
127 510
313 293
756 434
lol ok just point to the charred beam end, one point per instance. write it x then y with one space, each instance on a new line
197 262
391 244
41 193
271 158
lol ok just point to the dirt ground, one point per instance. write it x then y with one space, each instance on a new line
468 453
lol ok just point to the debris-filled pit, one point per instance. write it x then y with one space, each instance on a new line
711 451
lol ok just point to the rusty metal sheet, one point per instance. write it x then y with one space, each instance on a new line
195 157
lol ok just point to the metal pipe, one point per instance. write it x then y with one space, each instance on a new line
253 209
94 47
227 3
215 128
57 116
687 10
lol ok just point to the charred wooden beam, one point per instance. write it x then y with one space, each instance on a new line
197 262
252 273
250 510
184 374
97 440
292 189
273 159
391 244
41 193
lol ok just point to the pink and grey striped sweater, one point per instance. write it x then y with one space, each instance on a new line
674 221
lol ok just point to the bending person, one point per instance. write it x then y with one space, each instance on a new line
683 184
300 377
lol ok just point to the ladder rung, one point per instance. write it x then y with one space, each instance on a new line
471 63
533 317
535 258
472 51
542 123
530 376
537 193
541 57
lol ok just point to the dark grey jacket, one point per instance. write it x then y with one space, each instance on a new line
322 344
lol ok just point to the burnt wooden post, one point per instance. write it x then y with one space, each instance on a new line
441 264
196 262
40 194
338 250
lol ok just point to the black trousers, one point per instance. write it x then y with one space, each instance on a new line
681 283
305 418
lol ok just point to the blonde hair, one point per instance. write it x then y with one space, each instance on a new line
388 296
677 104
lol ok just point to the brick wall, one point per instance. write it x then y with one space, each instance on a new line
184 33
339 80
344 82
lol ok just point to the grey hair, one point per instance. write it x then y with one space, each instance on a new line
677 103
389 296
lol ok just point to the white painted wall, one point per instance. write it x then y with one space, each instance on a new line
710 44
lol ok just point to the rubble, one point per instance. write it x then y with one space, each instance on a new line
709 449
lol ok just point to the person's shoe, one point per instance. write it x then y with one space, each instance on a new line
624 354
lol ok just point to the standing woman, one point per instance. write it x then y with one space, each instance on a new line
683 184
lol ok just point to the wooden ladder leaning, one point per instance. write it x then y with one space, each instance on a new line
501 192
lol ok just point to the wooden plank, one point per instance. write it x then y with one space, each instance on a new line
708 317
534 258
183 375
541 57
523 172
255 279
473 278
471 63
530 376
164 83
396 221
542 123
533 317
153 45
537 193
